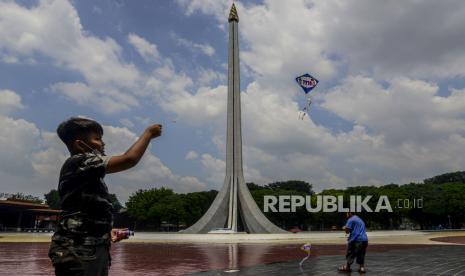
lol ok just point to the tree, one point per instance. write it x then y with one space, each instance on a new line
196 205
443 200
286 220
293 185
23 197
115 202
447 178
147 206
52 199
253 187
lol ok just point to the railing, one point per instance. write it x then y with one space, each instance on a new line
37 230
27 230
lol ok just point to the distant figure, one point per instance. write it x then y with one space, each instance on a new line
357 243
81 243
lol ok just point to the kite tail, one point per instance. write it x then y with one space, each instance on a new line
306 109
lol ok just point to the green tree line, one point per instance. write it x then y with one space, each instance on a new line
442 201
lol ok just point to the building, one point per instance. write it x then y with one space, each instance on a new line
17 215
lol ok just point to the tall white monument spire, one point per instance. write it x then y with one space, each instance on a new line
233 14
234 173
234 208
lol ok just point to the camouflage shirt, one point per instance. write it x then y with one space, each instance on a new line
84 197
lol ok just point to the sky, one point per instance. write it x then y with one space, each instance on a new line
389 107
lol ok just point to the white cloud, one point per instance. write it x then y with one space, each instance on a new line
405 132
400 127
109 84
53 29
16 145
152 173
212 7
416 39
274 35
117 139
216 170
408 110
105 99
207 76
174 96
206 49
31 160
48 160
293 48
203 108
6 58
145 121
146 49
191 155
126 123
9 101
419 131
167 82
149 173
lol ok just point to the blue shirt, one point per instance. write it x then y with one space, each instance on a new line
357 229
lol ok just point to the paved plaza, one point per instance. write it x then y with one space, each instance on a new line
389 253
335 237
430 260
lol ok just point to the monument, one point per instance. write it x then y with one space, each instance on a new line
234 209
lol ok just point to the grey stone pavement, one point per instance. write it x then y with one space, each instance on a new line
434 260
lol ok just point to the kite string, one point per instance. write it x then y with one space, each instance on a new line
304 259
308 249
306 109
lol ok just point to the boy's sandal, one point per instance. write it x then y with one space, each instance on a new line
362 270
344 268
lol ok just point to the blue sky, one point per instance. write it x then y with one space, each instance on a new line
390 105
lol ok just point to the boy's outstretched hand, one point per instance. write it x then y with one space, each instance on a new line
132 156
114 234
154 130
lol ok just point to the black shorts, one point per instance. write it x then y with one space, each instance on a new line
77 258
356 250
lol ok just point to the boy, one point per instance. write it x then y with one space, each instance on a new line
81 244
356 243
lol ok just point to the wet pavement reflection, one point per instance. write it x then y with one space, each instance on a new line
170 258
152 258
177 259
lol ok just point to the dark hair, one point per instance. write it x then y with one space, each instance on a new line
77 128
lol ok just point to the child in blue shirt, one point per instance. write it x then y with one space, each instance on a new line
357 243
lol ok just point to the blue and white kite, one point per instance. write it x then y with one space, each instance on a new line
307 83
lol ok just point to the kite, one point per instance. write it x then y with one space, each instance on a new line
307 248
307 83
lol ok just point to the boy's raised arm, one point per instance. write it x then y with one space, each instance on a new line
132 156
